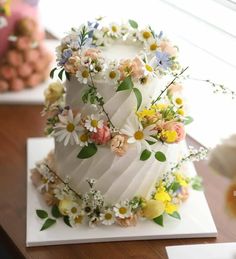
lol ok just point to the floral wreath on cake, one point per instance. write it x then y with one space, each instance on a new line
79 57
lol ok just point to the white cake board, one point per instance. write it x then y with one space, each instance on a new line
203 251
33 95
196 216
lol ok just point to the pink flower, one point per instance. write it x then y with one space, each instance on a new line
25 70
178 127
7 72
137 68
3 86
119 144
166 46
175 88
17 84
92 53
102 136
131 67
23 43
14 58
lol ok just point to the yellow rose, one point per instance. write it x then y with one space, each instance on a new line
64 206
53 92
153 209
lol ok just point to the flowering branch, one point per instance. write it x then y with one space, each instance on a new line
216 86
100 100
65 183
173 80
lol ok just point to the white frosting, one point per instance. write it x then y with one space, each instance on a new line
118 178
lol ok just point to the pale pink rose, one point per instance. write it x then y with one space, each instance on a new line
131 67
24 70
14 58
92 53
3 86
175 88
49 198
178 127
137 68
128 222
166 46
125 68
184 193
40 65
159 125
119 144
7 72
102 136
17 84
72 65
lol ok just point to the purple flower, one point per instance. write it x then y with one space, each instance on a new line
163 60
66 54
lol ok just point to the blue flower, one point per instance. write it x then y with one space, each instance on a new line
66 54
163 60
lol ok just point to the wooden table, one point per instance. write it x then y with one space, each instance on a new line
17 123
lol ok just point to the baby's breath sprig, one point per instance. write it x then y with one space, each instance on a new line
192 156
217 88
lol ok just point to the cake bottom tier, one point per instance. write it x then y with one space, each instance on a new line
118 178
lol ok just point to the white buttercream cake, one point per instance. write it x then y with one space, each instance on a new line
118 124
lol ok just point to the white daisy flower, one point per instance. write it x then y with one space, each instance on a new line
151 45
77 220
122 210
112 74
177 100
68 127
115 30
73 210
145 35
99 38
138 135
149 70
83 139
83 75
107 217
93 122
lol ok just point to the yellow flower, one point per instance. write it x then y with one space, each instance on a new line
145 112
180 179
170 207
53 92
160 106
162 194
153 209
180 111
170 136
6 8
64 206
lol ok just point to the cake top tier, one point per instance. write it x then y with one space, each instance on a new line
115 52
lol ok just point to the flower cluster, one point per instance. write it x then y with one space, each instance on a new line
92 208
79 53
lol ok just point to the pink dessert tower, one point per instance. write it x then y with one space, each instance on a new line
24 60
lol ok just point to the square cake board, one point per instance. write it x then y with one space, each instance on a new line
196 217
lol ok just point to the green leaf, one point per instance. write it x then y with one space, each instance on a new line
175 215
67 221
52 72
55 212
145 155
133 24
188 120
126 84
151 142
175 186
60 75
87 151
67 75
197 183
48 223
160 156
138 97
42 214
159 220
